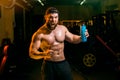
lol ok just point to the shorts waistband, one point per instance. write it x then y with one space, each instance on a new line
55 61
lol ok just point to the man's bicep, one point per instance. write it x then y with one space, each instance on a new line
68 36
35 43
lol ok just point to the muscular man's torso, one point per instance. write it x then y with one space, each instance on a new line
53 40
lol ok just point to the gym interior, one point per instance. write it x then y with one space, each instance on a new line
96 59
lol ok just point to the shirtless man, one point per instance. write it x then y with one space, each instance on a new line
50 39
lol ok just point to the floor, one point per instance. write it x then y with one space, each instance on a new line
96 75
32 73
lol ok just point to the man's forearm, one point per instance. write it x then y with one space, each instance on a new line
76 39
37 54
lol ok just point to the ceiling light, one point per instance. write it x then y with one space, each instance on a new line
41 2
81 3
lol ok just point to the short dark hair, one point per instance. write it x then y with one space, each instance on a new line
51 10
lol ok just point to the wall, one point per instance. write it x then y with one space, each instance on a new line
75 12
6 21
68 11
110 5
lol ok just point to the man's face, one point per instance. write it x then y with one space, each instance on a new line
52 20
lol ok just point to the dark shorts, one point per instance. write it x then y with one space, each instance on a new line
56 70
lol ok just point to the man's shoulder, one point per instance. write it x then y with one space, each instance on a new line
61 26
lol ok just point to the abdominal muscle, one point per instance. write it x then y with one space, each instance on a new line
57 54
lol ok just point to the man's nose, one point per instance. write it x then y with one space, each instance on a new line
53 19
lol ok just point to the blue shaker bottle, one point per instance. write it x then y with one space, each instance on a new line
82 33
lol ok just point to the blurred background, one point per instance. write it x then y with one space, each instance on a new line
95 59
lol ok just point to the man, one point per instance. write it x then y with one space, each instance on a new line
50 39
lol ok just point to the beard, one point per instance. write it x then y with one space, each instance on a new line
51 26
